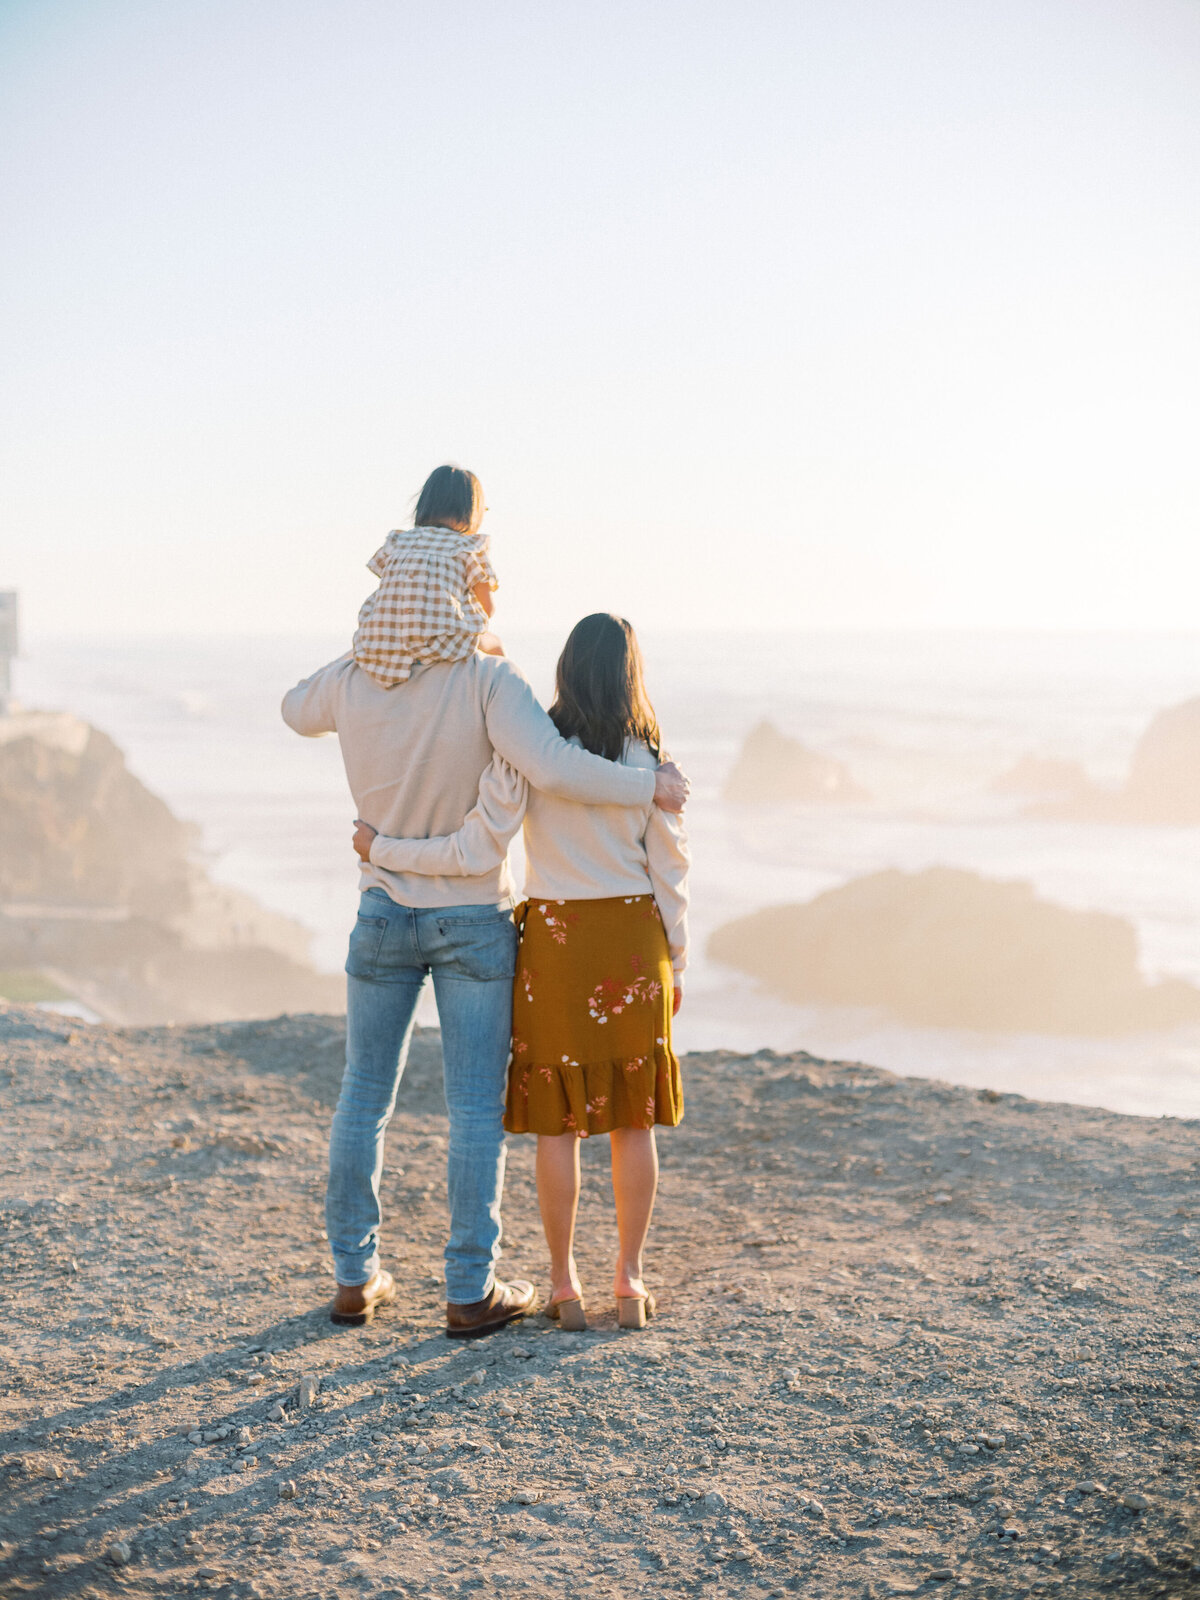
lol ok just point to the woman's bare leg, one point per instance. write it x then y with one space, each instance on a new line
635 1183
558 1198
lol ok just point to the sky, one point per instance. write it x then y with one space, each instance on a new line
834 314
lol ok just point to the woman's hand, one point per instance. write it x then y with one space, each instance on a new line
364 833
677 997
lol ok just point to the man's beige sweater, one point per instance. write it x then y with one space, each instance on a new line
414 756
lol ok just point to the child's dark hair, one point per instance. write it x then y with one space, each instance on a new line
599 692
452 498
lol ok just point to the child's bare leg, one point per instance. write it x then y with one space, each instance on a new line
489 644
635 1183
558 1198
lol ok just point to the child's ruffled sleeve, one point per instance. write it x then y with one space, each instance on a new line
378 562
480 570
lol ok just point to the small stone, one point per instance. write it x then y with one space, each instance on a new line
715 1501
119 1553
196 1437
941 1574
968 1449
995 1441
287 1489
815 1508
527 1497
706 1461
255 1378
277 1413
942 1198
243 1435
306 1390
51 1469
422 1449
477 1376
1132 1501
247 1463
506 1410
1088 1486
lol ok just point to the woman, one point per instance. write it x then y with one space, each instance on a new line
603 947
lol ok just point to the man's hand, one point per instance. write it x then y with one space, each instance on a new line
671 787
363 835
677 997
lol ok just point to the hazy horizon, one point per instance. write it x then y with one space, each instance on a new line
847 316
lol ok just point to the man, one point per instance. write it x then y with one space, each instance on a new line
414 755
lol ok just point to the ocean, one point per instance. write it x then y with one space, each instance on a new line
925 722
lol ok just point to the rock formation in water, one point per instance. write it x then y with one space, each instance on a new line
1164 775
1163 785
100 899
947 948
1044 778
772 769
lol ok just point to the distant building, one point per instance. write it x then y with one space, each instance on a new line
8 643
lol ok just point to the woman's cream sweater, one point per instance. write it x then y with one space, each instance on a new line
573 851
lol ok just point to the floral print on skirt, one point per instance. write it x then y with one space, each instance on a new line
592 1019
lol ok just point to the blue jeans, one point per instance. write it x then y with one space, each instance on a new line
471 953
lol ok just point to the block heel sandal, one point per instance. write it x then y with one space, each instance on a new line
635 1311
570 1315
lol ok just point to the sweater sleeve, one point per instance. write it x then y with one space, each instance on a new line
668 860
311 707
523 734
479 845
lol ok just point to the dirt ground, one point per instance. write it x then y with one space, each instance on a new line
912 1340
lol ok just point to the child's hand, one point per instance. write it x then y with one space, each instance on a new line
677 997
363 834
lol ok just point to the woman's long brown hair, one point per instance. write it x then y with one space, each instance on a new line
599 692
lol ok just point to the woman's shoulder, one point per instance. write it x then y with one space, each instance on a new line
639 754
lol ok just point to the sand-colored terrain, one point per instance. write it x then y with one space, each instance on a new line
912 1340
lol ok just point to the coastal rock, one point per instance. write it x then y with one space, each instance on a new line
1162 786
1044 778
773 770
101 894
948 948
1164 775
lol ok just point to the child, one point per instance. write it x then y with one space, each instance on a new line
602 953
434 598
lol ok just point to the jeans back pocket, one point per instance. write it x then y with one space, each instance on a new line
366 941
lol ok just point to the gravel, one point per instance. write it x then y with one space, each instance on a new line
846 1392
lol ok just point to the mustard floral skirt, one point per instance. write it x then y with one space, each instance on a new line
592 1019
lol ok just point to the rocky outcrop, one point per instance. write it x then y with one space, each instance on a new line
77 828
1044 778
1164 775
946 948
772 769
101 900
1163 785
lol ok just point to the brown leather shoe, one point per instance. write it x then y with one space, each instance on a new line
355 1304
505 1304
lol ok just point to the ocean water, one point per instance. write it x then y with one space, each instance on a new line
925 722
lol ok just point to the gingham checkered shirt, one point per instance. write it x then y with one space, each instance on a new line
424 608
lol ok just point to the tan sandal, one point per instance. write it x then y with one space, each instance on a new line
570 1315
635 1310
